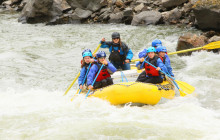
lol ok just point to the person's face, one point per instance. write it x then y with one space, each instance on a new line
101 59
151 55
115 40
87 59
162 54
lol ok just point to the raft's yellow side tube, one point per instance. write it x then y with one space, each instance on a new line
135 92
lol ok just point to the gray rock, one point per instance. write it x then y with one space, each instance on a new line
82 14
128 12
104 10
104 3
189 41
1 1
172 3
208 18
92 5
146 17
37 11
127 16
116 18
61 5
193 1
214 39
139 7
172 16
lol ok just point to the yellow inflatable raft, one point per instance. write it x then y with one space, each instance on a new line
135 92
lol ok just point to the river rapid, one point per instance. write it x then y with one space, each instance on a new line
38 63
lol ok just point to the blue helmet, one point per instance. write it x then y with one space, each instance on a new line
156 43
100 54
161 49
87 54
86 50
151 49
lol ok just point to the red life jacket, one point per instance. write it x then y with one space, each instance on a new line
151 71
103 73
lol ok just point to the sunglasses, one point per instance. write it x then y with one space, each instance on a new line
115 38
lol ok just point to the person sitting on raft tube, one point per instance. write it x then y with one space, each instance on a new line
104 78
120 54
87 59
161 51
152 75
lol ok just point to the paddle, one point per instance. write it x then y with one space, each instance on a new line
77 76
79 90
182 93
95 80
210 46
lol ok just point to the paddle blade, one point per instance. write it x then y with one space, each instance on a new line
182 93
187 88
213 45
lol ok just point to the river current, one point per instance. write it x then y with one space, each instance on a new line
38 63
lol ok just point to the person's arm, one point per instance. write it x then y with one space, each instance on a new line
129 55
161 65
105 44
169 68
142 53
111 67
167 58
82 76
91 74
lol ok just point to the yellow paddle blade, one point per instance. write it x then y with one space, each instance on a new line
212 45
186 87
182 93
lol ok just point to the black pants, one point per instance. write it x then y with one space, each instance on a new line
153 79
105 82
141 77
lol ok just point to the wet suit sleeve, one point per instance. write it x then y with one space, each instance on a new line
111 67
167 58
138 65
142 53
82 75
161 65
105 44
129 55
169 68
91 74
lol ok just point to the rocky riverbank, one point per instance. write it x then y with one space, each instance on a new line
202 14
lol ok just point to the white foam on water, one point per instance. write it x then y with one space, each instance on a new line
39 62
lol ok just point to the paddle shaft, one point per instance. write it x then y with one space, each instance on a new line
212 45
85 76
95 79
79 72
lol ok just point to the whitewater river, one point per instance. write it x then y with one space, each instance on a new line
38 63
